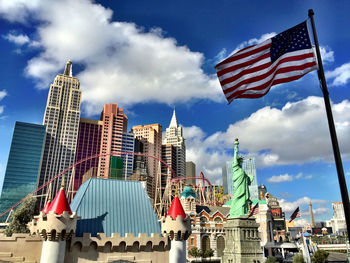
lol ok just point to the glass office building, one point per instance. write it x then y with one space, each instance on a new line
23 163
248 166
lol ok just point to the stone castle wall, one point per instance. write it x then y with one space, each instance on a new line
20 247
141 248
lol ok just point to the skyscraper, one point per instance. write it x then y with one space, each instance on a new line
23 163
114 124
61 119
151 138
128 145
190 172
168 156
88 144
174 136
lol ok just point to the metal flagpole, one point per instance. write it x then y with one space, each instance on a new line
337 157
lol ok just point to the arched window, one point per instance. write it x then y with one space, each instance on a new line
218 220
203 219
220 244
205 243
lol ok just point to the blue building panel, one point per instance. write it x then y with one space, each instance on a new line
23 163
114 206
128 145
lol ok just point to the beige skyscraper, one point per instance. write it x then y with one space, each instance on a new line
151 137
61 119
174 136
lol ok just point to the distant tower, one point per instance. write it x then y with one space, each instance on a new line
151 138
177 226
114 125
61 119
312 219
174 136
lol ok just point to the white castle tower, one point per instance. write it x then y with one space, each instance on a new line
174 136
177 226
56 224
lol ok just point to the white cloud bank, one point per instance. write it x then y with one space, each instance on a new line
287 178
3 94
121 61
295 134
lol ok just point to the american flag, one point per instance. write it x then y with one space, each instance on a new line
252 71
295 214
254 210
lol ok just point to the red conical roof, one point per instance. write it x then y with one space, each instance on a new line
176 209
46 207
60 204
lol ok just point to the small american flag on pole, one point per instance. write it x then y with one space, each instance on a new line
254 210
295 214
252 71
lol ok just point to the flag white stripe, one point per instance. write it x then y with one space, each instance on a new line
278 76
244 59
264 71
233 73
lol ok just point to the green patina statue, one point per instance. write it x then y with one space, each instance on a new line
241 181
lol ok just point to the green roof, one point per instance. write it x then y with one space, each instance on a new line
114 206
188 191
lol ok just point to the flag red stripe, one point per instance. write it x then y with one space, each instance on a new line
240 93
242 65
238 56
273 72
261 67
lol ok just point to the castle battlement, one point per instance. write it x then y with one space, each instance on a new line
129 242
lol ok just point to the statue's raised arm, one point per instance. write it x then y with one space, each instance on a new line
241 182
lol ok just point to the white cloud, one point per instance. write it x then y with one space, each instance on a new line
253 41
327 54
19 39
280 178
295 134
340 75
3 94
121 62
301 222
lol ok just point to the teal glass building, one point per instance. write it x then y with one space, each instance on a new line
23 164
248 166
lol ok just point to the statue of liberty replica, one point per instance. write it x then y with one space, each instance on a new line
241 181
242 243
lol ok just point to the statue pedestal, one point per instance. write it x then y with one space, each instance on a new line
242 241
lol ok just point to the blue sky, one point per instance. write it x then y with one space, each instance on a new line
151 56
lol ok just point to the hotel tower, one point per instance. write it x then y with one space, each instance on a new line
174 136
61 119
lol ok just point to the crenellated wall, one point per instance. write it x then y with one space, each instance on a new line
141 248
20 247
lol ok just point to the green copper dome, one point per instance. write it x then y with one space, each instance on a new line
187 192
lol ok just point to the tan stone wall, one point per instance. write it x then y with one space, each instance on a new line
20 247
109 249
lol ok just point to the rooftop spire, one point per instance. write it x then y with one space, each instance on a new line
173 122
68 69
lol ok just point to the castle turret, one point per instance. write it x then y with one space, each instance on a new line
177 226
188 200
56 224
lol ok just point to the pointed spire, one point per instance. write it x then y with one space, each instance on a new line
176 209
60 203
68 69
47 205
173 122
